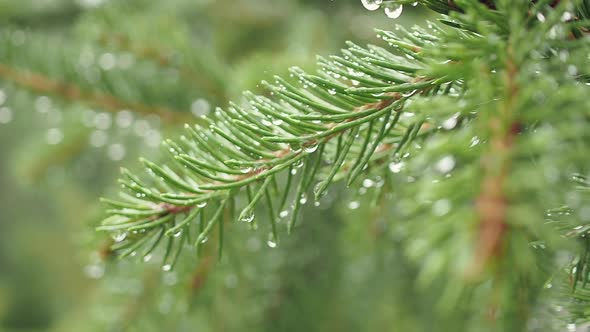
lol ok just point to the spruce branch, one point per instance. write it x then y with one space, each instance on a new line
572 281
95 76
248 146
429 94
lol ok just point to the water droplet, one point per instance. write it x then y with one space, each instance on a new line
396 167
368 183
318 187
311 148
178 233
316 203
107 61
572 70
201 205
393 10
332 91
124 119
119 237
245 169
103 121
445 165
441 207
566 16
271 242
564 55
5 115
353 205
295 147
167 267
54 136
303 198
451 122
283 213
200 107
147 258
372 4
293 171
43 104
277 122
204 239
116 152
247 215
474 141
94 271
298 163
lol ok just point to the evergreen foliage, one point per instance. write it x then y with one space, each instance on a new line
469 134
479 95
484 113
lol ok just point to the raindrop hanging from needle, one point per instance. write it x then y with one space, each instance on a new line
393 10
372 4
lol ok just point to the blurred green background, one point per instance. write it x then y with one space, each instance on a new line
87 86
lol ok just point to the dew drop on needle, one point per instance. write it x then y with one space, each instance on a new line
393 10
372 4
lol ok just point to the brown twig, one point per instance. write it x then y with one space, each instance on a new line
492 202
43 84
